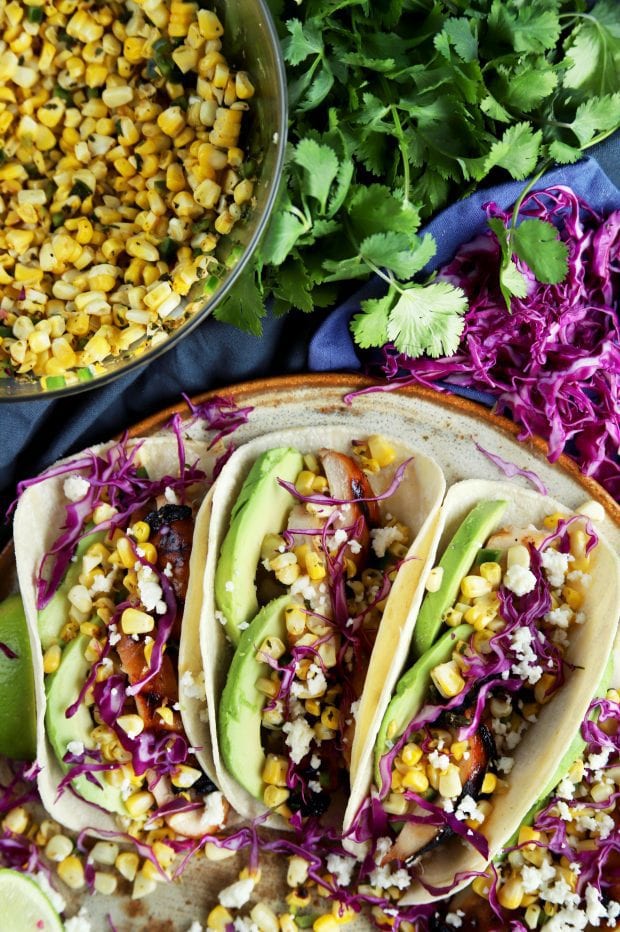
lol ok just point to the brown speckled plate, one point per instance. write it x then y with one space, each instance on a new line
441 425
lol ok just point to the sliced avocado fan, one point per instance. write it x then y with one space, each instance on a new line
261 508
457 559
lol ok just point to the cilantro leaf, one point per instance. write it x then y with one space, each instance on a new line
303 40
594 52
599 114
369 328
461 33
243 306
563 153
292 285
320 164
285 228
374 209
428 319
512 282
537 244
517 151
393 251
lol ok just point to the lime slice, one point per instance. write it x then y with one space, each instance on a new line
25 908
17 707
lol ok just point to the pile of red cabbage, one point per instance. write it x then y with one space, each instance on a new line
553 361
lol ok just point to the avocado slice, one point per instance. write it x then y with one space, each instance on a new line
411 690
53 617
242 703
17 703
261 508
457 559
62 689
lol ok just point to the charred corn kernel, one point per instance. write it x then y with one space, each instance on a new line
481 886
315 566
543 690
297 872
149 552
126 552
492 572
552 521
510 893
141 531
133 621
264 918
532 916
396 803
452 617
489 783
447 679
71 872
381 450
127 865
219 919
272 647
450 782
287 923
166 714
143 885
304 482
415 779
298 899
58 848
267 687
138 804
105 884
16 821
215 852
518 555
601 791
411 754
474 586
330 717
572 597
51 659
132 725
104 852
325 923
275 770
80 598
435 578
274 796
103 513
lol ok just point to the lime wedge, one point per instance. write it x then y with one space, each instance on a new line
17 707
25 908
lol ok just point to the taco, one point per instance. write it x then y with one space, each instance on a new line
513 643
318 543
111 584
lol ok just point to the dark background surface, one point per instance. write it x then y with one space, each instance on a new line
35 433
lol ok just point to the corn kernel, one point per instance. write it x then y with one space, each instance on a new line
127 864
492 572
264 918
51 659
447 679
133 621
16 821
138 804
274 796
474 586
105 884
416 780
143 885
489 783
71 872
510 893
219 919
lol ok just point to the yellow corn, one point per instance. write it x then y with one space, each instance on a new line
489 783
447 679
274 796
133 621
510 893
71 872
141 531
219 919
51 659
138 804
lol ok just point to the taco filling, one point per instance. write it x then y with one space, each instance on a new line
447 744
112 591
288 711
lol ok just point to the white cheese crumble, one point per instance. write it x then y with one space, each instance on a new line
505 764
341 868
237 894
242 924
560 616
555 565
526 666
171 496
455 919
194 687
214 812
315 684
438 761
355 546
195 927
383 537
299 737
114 635
468 809
519 580
75 487
75 747
383 878
79 922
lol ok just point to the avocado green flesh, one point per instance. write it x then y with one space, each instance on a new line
53 617
261 508
242 703
18 739
456 561
62 690
411 692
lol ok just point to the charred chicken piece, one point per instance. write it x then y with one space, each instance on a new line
162 690
173 530
479 917
347 481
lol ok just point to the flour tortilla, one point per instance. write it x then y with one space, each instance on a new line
545 743
39 518
416 502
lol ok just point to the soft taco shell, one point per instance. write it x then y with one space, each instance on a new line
39 518
544 744
416 502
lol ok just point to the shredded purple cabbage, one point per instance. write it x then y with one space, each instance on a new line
511 470
6 650
553 363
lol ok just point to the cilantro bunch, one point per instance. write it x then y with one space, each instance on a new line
398 107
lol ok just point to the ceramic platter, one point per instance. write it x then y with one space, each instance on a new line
442 426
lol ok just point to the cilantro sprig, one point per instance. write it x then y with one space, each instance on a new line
398 107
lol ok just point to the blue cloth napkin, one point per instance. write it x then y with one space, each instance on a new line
332 345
